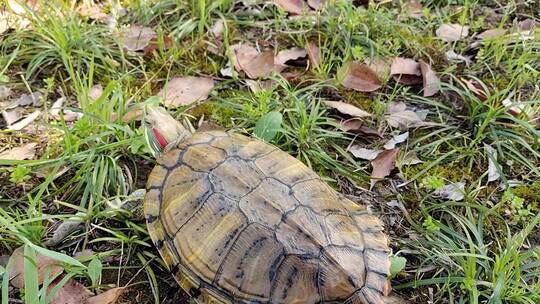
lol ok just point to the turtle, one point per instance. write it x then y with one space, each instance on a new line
238 220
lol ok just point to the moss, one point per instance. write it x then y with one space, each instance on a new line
205 109
530 193
452 172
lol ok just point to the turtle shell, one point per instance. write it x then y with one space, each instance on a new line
240 221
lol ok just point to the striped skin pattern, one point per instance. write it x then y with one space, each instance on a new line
240 221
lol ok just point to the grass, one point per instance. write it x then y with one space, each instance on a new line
483 249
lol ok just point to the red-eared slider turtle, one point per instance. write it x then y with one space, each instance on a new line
238 220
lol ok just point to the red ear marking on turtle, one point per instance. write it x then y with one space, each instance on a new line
160 139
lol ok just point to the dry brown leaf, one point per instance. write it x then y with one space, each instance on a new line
136 38
182 91
242 54
360 77
258 86
430 79
380 66
383 165
218 28
291 54
476 88
492 33
315 4
12 116
95 92
406 71
314 54
356 126
295 7
21 124
261 65
348 109
405 66
26 151
72 292
44 265
92 11
404 119
528 25
395 107
414 8
452 32
108 297
153 45
363 153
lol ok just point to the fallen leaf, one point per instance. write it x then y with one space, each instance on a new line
492 33
414 8
380 66
56 107
452 32
95 92
454 191
315 4
153 45
26 151
451 55
35 99
516 108
25 121
397 139
12 116
528 25
242 54
108 297
404 120
363 153
476 88
430 79
396 107
5 92
359 77
227 71
411 159
406 71
72 292
493 172
258 86
136 38
295 7
44 265
348 109
357 127
314 54
182 91
291 54
260 66
93 11
383 165
218 28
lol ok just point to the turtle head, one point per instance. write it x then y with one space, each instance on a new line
166 131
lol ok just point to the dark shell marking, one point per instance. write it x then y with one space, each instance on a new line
240 221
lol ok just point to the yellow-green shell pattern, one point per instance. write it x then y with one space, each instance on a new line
237 220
